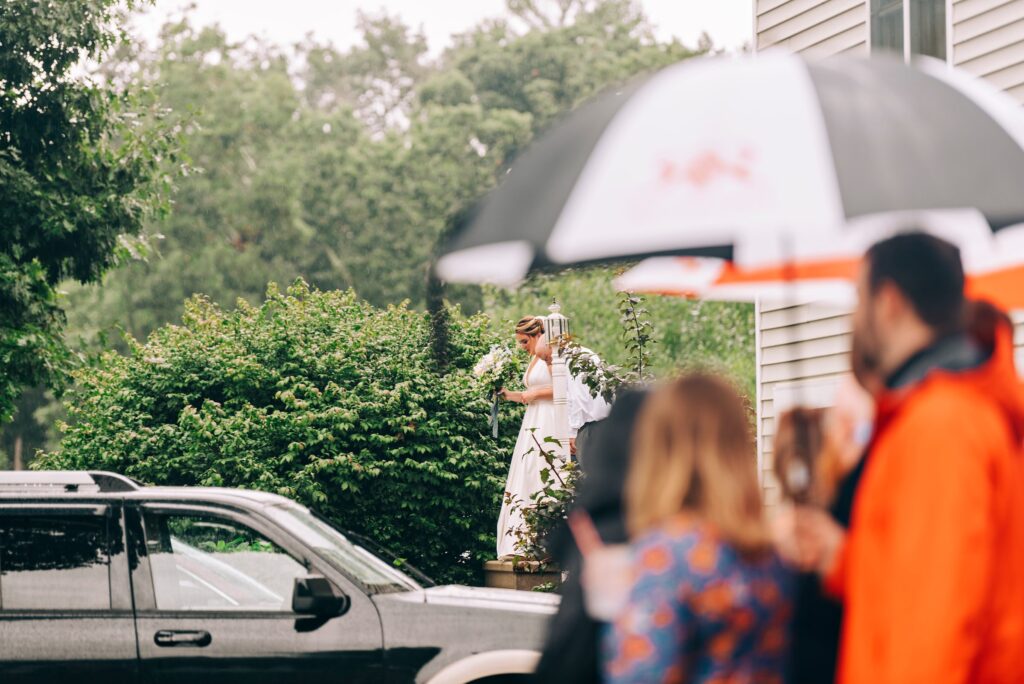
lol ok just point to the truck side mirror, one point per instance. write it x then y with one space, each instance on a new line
314 595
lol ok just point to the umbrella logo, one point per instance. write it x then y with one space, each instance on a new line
707 167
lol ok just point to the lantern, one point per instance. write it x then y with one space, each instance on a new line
556 326
557 330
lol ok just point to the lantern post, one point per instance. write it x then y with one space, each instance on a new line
557 331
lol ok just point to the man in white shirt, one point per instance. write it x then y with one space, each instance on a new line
584 408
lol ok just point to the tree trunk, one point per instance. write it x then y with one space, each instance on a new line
18 465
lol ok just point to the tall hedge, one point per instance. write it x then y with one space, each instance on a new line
319 397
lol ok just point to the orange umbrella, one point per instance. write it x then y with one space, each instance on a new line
830 280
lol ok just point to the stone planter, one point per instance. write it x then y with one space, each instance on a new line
521 575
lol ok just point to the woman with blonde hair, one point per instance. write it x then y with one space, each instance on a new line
709 599
524 474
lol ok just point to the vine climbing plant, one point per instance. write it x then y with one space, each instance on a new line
638 332
606 379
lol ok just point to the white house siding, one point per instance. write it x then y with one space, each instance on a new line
988 41
815 27
986 36
803 348
803 354
803 351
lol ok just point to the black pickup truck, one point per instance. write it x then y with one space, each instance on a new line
105 580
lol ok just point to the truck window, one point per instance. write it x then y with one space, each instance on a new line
56 561
203 562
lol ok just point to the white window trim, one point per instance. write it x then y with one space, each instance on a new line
949 33
906 32
868 22
753 28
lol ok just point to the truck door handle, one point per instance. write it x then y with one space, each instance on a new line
171 638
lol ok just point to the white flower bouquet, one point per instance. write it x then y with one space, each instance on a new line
496 369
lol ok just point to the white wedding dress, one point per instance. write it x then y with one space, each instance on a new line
524 472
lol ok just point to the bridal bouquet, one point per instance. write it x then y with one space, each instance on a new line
497 368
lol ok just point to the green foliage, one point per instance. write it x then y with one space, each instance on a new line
319 397
82 168
447 89
607 379
323 184
637 330
238 221
348 181
574 49
26 426
218 538
377 79
314 183
31 350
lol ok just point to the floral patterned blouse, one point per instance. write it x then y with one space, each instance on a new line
698 612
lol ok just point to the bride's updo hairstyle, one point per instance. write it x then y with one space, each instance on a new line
531 326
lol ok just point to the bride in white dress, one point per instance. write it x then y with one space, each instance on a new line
539 421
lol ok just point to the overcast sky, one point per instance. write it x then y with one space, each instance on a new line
288 21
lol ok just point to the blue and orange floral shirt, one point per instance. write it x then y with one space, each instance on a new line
699 612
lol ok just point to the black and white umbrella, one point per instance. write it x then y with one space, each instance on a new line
755 159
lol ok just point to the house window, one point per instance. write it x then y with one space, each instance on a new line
887 25
909 27
928 28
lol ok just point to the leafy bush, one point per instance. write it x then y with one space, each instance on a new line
317 396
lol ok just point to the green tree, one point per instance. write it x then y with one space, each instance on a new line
547 14
297 182
25 433
376 79
317 396
315 182
237 221
311 182
559 63
82 167
378 207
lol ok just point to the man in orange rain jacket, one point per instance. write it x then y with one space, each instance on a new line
931 572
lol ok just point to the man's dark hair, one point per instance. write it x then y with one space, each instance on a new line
929 273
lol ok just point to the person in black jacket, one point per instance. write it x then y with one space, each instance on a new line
571 652
833 444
